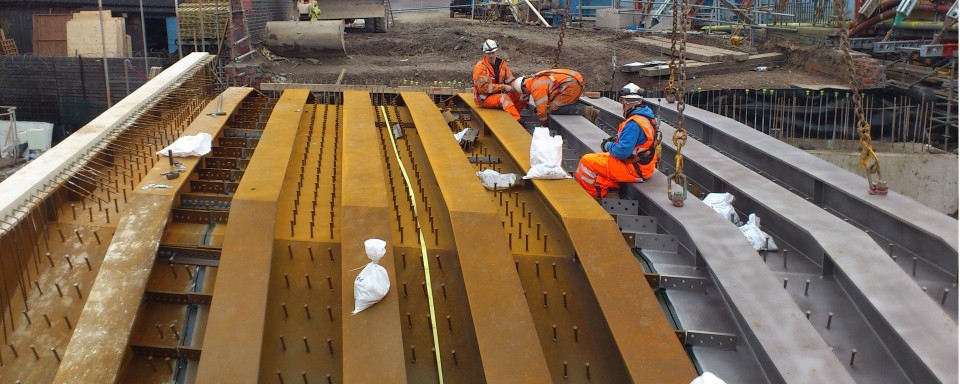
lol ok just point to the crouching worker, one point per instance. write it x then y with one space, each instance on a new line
631 157
550 90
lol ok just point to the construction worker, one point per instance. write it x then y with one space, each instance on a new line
631 157
491 82
315 11
550 90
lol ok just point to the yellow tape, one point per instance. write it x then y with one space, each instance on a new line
423 247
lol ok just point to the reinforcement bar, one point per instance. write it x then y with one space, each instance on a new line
372 340
45 169
233 339
789 348
650 349
912 226
506 336
99 344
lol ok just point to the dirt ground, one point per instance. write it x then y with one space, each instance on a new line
429 48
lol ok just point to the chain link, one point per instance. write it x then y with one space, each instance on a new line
868 158
563 30
680 134
671 87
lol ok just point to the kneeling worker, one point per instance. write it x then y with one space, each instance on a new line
551 89
631 157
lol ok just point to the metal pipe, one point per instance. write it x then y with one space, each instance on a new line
103 51
143 31
176 9
534 9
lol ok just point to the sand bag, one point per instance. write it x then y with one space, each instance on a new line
723 204
546 153
373 283
759 239
496 181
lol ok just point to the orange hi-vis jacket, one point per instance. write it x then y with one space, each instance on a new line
599 172
552 89
487 81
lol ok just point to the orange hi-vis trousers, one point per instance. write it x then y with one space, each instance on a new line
512 103
599 172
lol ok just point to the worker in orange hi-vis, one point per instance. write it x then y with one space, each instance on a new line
491 83
631 156
551 89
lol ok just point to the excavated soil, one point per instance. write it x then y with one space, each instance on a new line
429 48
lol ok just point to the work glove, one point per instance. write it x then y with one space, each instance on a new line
603 144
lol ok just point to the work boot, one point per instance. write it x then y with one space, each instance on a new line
612 194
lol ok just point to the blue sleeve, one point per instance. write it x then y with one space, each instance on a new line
630 137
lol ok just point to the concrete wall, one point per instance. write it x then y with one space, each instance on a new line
611 18
928 178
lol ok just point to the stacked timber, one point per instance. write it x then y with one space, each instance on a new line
84 36
202 19
700 59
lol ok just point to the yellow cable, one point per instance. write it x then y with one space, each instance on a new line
423 246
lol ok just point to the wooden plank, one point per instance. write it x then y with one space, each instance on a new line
693 51
99 345
700 68
240 299
488 272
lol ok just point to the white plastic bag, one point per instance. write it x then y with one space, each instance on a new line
493 180
708 378
459 135
186 146
723 204
546 153
759 239
373 283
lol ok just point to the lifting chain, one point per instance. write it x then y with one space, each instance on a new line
868 158
671 87
680 134
563 30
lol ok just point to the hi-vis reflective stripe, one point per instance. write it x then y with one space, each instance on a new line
586 175
539 101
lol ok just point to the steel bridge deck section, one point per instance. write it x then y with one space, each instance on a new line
632 312
240 297
775 326
105 324
373 348
915 228
506 336
881 290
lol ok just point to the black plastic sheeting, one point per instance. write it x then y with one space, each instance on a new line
823 114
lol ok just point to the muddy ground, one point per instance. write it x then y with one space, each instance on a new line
428 47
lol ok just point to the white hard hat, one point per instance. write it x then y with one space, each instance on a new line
708 378
631 93
490 46
518 84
